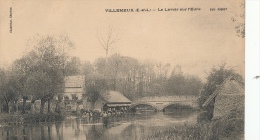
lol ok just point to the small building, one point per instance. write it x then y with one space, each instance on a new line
111 100
73 91
227 97
74 87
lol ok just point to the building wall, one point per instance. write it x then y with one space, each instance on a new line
224 103
79 95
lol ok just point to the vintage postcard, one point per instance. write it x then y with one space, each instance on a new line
122 70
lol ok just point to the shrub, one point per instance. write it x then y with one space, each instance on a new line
203 117
230 125
30 118
11 119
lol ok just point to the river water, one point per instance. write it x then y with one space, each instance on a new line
135 126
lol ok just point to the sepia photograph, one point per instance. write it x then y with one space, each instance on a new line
122 70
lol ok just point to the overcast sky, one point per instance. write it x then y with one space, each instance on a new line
195 40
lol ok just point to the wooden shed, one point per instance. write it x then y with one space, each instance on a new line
227 97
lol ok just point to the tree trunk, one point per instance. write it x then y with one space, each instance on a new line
77 109
33 106
92 105
42 132
1 107
42 106
24 104
7 106
49 105
49 132
57 107
16 106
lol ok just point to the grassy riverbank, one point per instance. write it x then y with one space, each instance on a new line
11 119
226 128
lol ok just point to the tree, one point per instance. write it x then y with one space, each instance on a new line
94 86
21 68
180 84
2 85
11 88
38 84
73 66
216 77
3 89
88 70
239 19
48 68
107 41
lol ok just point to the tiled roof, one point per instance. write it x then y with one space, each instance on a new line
229 86
114 97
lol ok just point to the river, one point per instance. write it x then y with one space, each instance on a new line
135 126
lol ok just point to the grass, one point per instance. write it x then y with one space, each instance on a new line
229 127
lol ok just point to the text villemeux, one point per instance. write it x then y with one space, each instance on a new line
119 10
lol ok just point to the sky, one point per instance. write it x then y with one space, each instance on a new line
195 40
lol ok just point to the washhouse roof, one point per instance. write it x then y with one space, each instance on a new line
114 97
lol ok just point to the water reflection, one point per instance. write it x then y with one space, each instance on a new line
127 126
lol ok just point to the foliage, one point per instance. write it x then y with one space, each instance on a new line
46 72
10 119
73 66
137 79
179 84
239 19
178 107
40 72
38 84
2 84
94 87
74 97
11 87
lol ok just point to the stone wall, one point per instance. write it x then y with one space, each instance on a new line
224 103
166 98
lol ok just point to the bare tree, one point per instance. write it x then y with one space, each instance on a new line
108 40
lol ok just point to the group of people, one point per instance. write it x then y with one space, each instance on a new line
106 111
114 111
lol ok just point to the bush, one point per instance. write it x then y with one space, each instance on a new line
11 119
30 118
204 117
231 125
